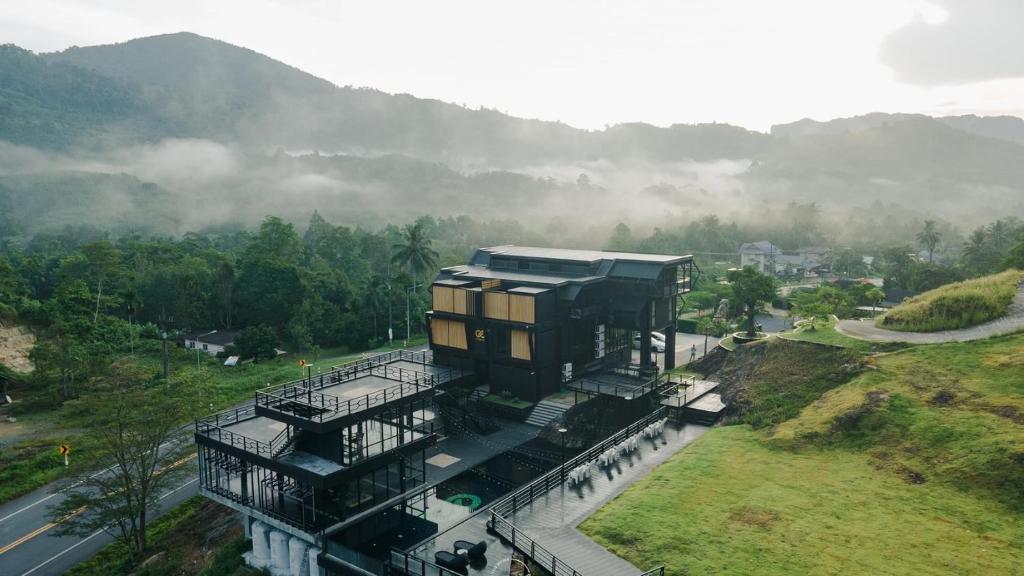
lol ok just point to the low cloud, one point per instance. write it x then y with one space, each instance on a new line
979 40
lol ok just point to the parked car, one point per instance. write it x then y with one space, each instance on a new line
658 345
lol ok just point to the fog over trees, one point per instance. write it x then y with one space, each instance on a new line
178 133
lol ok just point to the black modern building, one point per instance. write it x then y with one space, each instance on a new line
327 466
332 473
526 320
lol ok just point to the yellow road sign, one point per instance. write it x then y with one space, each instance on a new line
64 449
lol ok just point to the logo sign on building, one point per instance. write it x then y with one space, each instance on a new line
480 335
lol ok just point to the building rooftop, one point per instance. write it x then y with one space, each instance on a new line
583 256
557 267
470 271
218 337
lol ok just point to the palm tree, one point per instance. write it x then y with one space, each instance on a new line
929 237
414 251
976 250
999 234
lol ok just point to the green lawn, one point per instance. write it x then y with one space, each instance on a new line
728 343
915 466
824 332
730 504
509 402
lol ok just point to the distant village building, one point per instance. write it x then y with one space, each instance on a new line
768 258
212 342
759 255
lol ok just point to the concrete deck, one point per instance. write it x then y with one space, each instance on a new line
608 383
471 450
551 520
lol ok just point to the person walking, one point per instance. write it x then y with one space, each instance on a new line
693 352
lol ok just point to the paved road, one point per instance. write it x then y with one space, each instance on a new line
28 545
1013 321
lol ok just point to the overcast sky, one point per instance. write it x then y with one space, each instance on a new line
591 63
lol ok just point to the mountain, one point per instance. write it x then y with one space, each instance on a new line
54 105
213 133
1008 128
205 88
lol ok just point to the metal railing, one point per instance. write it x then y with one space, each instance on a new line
529 546
689 391
626 391
526 495
517 500
415 566
321 407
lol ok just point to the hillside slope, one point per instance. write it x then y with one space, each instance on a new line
915 466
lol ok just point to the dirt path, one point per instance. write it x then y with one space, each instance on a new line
1011 322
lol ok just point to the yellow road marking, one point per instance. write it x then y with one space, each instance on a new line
27 537
46 527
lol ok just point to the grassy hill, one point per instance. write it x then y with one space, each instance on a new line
915 466
953 306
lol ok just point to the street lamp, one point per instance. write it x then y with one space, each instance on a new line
390 331
561 435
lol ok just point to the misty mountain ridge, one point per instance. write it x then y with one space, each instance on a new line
234 135
1008 128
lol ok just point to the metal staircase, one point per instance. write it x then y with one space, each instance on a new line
544 412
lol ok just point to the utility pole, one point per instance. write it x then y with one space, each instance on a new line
391 332
164 335
408 323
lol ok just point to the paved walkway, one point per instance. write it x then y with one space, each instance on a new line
1011 322
552 519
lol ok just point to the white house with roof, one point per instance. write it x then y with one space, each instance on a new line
212 342
768 258
761 256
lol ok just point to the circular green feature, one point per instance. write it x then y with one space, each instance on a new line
471 501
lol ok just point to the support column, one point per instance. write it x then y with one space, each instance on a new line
670 336
297 557
314 567
279 559
260 545
645 337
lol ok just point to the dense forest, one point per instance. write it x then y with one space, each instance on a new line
89 294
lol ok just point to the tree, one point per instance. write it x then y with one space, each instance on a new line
874 295
1000 234
929 237
813 304
224 284
622 238
1016 256
104 261
135 430
257 342
414 251
751 289
849 263
977 254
